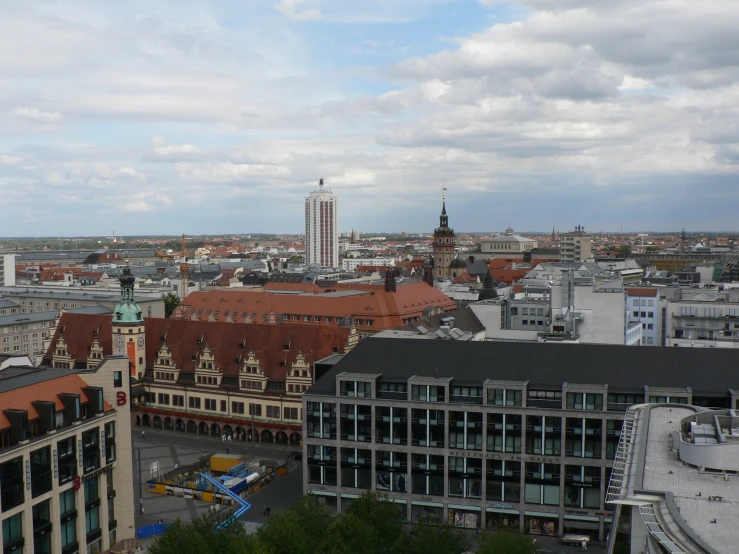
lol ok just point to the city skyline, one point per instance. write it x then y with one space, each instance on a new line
219 117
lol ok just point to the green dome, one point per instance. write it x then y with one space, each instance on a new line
127 311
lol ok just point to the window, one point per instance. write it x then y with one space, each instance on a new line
224 406
13 532
91 450
194 402
255 410
291 413
237 407
505 397
12 483
66 502
110 442
40 471
210 404
273 411
178 400
163 399
69 532
117 379
66 452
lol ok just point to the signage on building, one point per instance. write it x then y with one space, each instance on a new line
506 457
500 506
120 398
584 512
131 351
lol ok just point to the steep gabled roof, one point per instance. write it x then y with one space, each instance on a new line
229 343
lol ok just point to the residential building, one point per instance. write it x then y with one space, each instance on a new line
643 306
575 246
562 311
700 318
351 264
321 228
492 434
66 459
46 299
508 244
7 270
369 307
676 468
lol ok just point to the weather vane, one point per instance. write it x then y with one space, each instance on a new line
443 191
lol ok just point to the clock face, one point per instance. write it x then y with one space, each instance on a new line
118 344
141 341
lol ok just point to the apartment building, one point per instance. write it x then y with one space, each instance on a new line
7 270
488 434
575 246
65 459
25 333
700 318
644 309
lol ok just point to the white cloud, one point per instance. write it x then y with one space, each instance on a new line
290 9
6 159
35 115
161 151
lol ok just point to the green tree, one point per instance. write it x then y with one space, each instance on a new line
429 535
171 301
506 542
203 536
299 530
624 250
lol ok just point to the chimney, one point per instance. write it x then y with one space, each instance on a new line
390 280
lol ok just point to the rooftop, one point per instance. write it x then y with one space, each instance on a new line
545 365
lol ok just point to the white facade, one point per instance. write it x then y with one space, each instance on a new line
7 270
321 228
701 324
644 309
350 264
508 244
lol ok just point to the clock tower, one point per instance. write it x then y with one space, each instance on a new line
444 244
129 337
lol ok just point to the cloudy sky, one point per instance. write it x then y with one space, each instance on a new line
219 116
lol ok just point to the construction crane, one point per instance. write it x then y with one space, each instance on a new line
184 268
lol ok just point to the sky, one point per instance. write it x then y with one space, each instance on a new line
198 117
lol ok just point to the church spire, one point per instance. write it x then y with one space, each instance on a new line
443 218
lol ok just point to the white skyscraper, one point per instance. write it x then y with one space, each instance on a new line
321 228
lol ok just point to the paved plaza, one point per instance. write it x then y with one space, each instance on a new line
169 449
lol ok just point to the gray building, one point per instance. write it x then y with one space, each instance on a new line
484 434
38 299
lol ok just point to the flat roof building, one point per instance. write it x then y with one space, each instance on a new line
485 434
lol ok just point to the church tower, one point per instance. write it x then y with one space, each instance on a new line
443 243
128 327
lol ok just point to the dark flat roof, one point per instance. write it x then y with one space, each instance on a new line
707 371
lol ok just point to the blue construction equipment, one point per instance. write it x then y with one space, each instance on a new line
243 504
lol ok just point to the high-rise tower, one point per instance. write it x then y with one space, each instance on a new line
321 228
443 243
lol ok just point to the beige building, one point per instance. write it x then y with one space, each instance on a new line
444 246
575 246
65 458
508 244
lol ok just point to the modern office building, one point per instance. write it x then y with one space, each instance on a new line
520 435
676 468
644 309
65 459
575 246
34 299
700 318
321 228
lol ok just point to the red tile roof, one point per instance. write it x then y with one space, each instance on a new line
23 398
387 310
187 339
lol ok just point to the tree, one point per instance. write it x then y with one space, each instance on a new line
171 301
506 542
203 536
624 250
300 530
430 535
377 511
